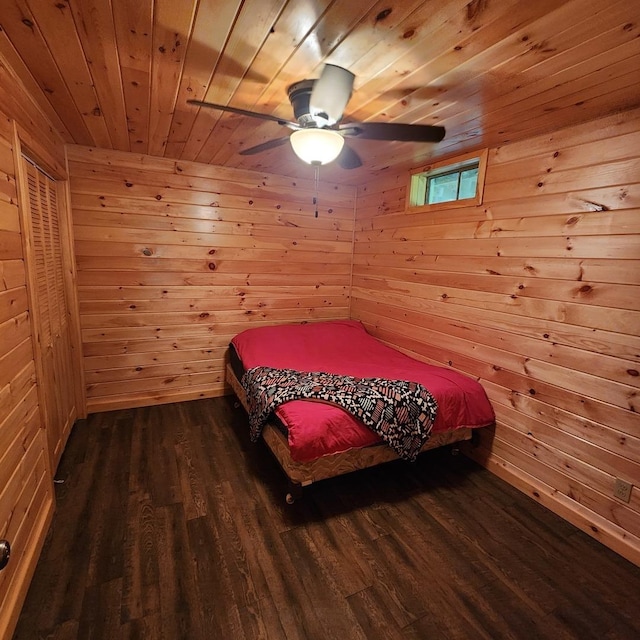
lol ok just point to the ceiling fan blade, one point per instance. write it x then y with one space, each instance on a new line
394 131
331 92
265 146
244 112
348 158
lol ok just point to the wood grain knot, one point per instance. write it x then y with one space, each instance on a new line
385 13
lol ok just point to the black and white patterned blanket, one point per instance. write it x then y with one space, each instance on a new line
401 413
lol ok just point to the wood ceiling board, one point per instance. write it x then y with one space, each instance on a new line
134 28
15 68
212 26
299 65
251 28
295 24
56 23
117 73
94 23
172 25
20 25
345 28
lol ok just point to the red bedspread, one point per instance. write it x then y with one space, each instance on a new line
343 347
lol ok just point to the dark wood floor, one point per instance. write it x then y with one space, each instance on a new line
170 525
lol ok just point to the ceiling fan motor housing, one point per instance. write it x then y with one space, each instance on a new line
318 107
299 96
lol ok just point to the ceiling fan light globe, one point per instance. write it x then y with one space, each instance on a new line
317 146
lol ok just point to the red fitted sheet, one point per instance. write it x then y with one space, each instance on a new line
344 347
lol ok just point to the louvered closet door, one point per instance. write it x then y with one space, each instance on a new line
52 316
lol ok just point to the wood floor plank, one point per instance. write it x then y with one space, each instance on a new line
171 524
66 631
496 548
141 587
100 618
220 615
547 563
296 611
371 608
110 493
167 488
339 556
62 584
177 576
322 589
457 577
141 628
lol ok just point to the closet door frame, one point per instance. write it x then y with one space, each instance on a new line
60 175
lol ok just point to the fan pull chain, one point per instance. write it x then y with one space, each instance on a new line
315 197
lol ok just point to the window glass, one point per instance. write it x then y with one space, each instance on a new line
468 183
449 182
452 185
443 188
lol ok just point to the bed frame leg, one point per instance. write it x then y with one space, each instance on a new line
294 493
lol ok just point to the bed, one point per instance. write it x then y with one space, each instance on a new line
314 440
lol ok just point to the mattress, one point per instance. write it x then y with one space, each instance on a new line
344 347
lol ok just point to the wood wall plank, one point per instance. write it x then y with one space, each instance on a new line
26 487
166 280
534 293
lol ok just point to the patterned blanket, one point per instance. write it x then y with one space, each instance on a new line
401 413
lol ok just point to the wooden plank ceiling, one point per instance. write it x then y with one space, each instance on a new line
117 73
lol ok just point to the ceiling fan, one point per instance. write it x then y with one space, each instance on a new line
318 135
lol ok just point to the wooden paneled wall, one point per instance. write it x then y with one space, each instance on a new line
175 258
26 487
537 294
26 491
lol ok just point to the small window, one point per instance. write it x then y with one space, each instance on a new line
455 182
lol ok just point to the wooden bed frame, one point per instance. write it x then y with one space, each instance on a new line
302 474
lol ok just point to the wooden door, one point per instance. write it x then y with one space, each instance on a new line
52 309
